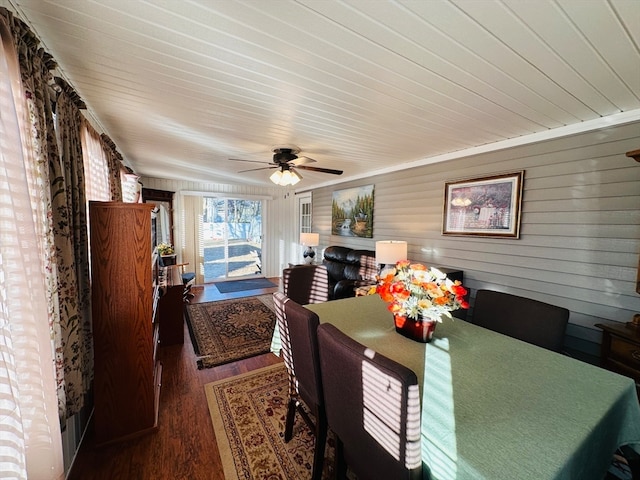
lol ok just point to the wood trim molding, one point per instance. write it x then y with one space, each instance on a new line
635 154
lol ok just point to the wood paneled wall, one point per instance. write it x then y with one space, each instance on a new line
580 230
580 233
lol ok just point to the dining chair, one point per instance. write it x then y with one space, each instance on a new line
373 407
300 353
529 320
306 284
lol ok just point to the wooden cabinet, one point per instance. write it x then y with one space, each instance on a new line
125 333
620 349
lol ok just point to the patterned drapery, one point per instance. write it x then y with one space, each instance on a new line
57 175
30 438
72 256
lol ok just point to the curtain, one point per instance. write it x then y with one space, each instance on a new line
72 257
193 250
58 180
114 165
65 304
30 440
96 164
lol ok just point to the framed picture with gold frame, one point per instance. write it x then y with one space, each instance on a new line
484 207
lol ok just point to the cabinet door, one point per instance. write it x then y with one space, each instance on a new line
123 330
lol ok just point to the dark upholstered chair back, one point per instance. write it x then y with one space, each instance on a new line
303 324
373 407
523 318
279 300
366 262
298 336
306 284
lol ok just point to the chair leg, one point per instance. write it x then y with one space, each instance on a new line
341 465
291 414
321 440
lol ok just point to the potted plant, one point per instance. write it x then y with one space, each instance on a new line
166 251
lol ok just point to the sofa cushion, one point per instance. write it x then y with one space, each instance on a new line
351 272
337 254
335 269
335 259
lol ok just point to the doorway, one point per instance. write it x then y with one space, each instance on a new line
231 238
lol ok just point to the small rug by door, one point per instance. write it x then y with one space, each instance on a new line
230 330
248 414
241 285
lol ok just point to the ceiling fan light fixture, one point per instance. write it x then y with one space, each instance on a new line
285 176
276 176
295 177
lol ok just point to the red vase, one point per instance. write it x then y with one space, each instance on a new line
420 330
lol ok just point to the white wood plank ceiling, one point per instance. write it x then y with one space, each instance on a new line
181 86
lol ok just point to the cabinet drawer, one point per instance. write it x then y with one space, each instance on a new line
625 352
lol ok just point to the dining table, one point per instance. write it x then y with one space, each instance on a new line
494 407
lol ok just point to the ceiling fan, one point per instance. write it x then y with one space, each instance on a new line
285 158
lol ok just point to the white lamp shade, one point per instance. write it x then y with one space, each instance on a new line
310 239
390 251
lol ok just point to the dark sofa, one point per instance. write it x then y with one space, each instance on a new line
348 269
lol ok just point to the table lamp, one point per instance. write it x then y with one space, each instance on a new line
309 240
388 253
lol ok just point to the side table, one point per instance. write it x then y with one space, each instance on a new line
620 349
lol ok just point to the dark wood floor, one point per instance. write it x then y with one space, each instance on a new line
184 446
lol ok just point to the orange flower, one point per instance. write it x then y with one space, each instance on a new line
413 290
441 300
458 289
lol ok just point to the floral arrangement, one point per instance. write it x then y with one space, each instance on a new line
412 290
165 249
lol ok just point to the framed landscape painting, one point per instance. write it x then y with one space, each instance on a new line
487 206
352 212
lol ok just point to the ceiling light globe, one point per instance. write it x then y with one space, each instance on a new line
276 177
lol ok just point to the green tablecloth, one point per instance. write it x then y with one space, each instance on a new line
497 408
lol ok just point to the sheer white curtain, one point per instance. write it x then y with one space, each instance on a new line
191 228
96 164
30 440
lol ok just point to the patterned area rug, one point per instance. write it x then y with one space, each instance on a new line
230 330
248 414
242 285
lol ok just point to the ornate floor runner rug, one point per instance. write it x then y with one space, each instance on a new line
230 330
248 415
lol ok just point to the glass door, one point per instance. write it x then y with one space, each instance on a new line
232 238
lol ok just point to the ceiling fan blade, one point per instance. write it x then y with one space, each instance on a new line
261 168
251 161
318 169
301 161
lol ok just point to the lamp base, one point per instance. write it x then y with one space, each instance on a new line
308 255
